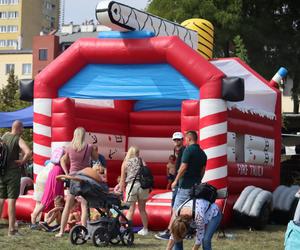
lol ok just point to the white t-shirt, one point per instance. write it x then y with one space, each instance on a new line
203 214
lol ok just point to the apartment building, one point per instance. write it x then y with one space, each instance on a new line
18 60
20 20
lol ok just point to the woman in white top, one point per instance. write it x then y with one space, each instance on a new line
207 219
134 192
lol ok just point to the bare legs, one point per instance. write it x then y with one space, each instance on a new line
142 209
39 207
11 215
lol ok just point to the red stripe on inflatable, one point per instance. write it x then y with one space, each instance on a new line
235 113
247 127
62 134
39 159
213 140
250 170
102 127
155 118
152 130
237 184
63 105
42 119
219 183
84 111
216 162
213 119
42 140
189 123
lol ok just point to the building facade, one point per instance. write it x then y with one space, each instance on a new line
20 20
18 60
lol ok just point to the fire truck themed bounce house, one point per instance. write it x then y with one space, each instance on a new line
135 88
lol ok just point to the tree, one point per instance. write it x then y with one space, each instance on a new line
10 101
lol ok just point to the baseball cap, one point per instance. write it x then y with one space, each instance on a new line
177 135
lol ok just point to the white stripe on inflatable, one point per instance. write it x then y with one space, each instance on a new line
259 143
213 130
231 155
155 156
212 106
37 168
231 139
41 129
151 143
217 151
159 204
42 150
42 106
167 195
214 174
259 157
98 103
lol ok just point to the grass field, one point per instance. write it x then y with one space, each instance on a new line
272 238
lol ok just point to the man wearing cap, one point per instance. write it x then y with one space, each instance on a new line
178 151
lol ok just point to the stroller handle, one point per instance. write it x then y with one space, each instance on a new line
64 177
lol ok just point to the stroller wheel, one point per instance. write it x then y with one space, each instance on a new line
127 237
78 235
101 237
115 241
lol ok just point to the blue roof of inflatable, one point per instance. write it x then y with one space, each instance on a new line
129 82
24 115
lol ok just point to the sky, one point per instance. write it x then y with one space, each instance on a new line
80 10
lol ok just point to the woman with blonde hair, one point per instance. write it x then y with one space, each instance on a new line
207 218
134 192
78 156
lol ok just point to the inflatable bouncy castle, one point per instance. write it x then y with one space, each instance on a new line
137 88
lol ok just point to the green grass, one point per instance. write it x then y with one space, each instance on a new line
271 238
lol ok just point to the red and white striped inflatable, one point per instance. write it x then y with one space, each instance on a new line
223 127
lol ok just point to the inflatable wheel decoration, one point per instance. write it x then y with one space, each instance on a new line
262 220
127 237
101 237
78 235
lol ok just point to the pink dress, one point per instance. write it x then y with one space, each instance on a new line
53 188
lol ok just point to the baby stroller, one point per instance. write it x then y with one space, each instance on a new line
112 226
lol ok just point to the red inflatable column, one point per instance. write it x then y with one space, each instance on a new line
213 133
63 121
190 115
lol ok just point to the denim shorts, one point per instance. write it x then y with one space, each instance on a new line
181 196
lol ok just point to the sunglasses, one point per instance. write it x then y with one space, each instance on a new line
177 139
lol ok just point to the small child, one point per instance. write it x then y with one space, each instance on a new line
101 171
54 215
74 216
171 170
117 189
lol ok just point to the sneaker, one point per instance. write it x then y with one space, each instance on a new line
34 226
143 231
45 226
55 228
163 236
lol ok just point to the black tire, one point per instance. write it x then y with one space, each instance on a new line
78 235
263 218
115 241
127 237
101 237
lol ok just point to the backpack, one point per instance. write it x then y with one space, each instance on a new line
204 191
146 178
3 157
56 155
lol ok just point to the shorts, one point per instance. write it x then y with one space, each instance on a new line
171 177
10 184
137 193
181 196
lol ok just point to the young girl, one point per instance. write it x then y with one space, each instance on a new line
54 215
171 170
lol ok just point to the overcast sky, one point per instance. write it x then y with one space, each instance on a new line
80 10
